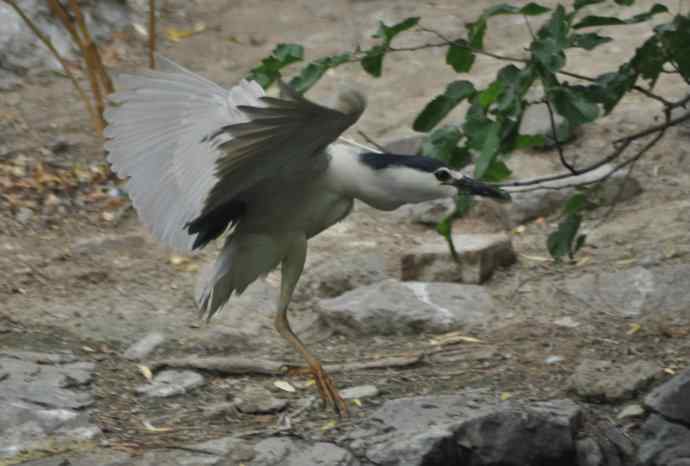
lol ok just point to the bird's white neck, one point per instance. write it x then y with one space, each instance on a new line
384 188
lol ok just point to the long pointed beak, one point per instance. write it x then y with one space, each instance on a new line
479 188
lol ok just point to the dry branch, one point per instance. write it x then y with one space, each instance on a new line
47 42
152 34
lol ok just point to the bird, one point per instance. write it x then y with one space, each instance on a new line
266 174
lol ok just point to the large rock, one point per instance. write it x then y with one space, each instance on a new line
468 429
171 383
20 50
601 381
664 443
282 451
672 399
478 256
43 401
392 307
637 291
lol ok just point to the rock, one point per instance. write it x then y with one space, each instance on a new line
334 274
567 322
426 213
636 291
359 392
478 257
634 410
589 453
537 121
24 215
44 401
258 400
672 399
219 410
464 429
144 347
599 381
285 451
392 307
663 443
408 145
529 205
21 52
101 457
170 383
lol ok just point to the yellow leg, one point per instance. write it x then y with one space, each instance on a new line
292 266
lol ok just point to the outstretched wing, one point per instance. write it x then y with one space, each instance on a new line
191 149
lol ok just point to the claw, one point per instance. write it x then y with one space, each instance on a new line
329 392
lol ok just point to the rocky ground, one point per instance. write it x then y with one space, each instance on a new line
509 359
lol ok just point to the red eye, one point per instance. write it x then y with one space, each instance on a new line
442 175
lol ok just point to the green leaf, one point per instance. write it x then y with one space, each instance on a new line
475 33
269 69
388 33
675 38
489 95
442 105
515 84
609 88
583 3
463 204
588 41
533 9
552 39
575 204
561 242
591 21
625 2
649 60
526 141
460 57
442 144
574 105
372 62
311 73
489 151
497 171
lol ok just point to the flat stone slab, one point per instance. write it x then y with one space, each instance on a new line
43 401
672 399
170 383
144 347
479 255
601 381
391 307
637 291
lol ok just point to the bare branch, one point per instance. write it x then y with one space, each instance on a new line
47 42
556 139
152 34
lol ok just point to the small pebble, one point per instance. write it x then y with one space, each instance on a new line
361 391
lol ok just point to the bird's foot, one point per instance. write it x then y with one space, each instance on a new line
329 392
327 389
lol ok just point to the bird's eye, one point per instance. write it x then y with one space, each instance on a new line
442 175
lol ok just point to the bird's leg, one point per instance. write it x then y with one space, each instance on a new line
291 270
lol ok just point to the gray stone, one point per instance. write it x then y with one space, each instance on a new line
426 213
101 457
634 410
144 347
478 257
24 215
464 429
537 121
331 275
42 401
600 381
281 451
392 307
589 453
359 392
170 383
663 443
258 400
21 52
636 291
672 399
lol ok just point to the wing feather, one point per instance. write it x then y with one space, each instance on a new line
189 147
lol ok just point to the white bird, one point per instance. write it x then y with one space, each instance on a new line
201 159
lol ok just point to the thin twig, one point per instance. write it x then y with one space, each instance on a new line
556 139
370 140
48 43
152 34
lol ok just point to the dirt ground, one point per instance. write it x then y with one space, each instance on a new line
86 277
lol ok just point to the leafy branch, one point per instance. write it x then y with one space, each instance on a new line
490 132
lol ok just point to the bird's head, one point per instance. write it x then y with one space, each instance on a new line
466 185
392 180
